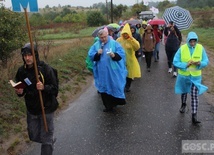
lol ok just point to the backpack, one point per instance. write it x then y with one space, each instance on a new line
57 79
55 73
89 64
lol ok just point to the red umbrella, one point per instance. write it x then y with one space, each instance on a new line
157 22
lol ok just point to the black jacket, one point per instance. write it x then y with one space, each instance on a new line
138 38
173 39
31 94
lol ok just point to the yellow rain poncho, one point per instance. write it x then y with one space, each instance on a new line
142 30
130 45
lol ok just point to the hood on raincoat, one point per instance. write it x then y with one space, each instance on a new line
26 49
133 27
149 27
126 29
190 36
144 22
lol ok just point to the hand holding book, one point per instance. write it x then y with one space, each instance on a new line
18 85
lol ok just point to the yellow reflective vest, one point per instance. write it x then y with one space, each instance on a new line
186 57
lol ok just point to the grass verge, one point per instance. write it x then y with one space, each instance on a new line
205 35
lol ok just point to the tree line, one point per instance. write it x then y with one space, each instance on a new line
195 3
13 27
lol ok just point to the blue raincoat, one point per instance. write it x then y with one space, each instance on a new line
109 75
184 83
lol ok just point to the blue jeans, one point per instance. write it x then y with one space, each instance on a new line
156 51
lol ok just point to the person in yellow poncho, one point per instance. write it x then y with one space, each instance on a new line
143 27
130 45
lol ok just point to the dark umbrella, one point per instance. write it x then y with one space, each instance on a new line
132 21
94 34
109 27
157 22
180 16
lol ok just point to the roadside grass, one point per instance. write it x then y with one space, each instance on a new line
69 59
59 33
205 36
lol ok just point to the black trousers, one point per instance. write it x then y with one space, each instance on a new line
170 56
128 83
148 57
110 101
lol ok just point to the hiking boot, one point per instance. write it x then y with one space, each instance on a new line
194 119
46 149
183 107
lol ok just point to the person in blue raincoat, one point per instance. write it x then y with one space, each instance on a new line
109 70
190 59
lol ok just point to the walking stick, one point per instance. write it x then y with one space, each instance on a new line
36 70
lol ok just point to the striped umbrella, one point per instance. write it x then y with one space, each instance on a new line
180 16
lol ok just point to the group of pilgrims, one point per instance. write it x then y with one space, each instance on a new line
115 55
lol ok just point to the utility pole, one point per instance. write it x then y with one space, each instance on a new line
112 11
107 10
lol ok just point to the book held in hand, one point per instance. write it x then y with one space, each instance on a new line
18 85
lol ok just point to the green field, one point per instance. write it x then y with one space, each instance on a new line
205 36
59 33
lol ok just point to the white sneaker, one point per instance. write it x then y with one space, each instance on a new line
175 74
170 70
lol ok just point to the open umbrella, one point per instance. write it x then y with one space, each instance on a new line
114 25
94 33
180 16
157 22
132 21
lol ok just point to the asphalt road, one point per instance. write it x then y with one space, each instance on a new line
150 122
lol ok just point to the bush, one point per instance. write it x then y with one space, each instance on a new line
95 18
12 33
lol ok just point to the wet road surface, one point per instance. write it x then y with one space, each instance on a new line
150 122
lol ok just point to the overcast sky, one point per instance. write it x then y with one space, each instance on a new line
85 3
